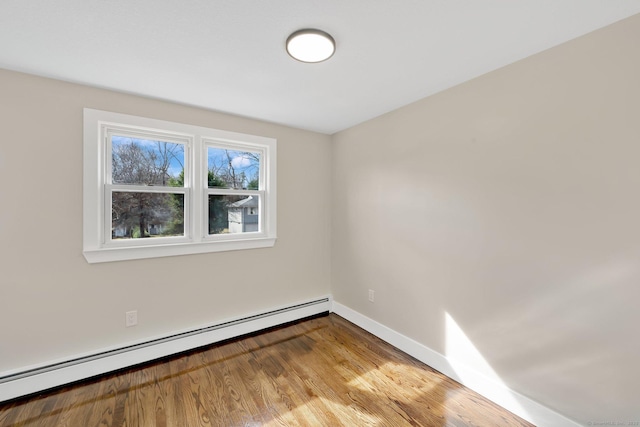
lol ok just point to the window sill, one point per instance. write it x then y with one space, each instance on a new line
142 252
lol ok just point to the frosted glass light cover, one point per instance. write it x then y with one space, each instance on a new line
310 45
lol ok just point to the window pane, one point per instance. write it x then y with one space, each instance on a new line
233 214
233 169
138 215
146 162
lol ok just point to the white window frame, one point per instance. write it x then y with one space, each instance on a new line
97 243
109 129
260 193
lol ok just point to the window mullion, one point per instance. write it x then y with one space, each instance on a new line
145 189
232 192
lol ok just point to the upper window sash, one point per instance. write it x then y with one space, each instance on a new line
109 131
215 146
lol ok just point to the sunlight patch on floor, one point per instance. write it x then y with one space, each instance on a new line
308 412
378 380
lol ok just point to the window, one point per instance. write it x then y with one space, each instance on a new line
155 188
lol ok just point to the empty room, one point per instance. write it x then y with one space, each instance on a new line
357 213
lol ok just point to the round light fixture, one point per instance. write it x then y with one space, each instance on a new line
310 45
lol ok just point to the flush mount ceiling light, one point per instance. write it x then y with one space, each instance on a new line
310 45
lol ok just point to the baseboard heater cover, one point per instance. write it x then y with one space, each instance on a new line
37 379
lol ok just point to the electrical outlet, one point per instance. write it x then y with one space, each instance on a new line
372 295
131 318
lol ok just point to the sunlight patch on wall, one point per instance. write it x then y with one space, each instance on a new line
474 371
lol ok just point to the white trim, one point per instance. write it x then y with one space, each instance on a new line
10 389
97 365
97 245
525 408
141 252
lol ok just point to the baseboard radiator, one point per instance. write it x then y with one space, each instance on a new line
32 380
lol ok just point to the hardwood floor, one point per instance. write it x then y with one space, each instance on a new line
323 371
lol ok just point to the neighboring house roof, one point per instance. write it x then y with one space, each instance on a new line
249 202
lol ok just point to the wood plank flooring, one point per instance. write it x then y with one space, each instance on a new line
323 371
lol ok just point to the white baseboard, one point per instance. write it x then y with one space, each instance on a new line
500 394
33 379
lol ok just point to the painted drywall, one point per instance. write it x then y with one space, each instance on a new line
498 224
54 305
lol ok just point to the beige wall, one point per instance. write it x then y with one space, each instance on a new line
512 204
55 305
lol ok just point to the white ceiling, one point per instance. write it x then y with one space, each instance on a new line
229 55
